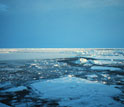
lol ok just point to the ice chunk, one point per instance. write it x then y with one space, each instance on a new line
91 77
20 88
72 91
105 68
83 61
56 65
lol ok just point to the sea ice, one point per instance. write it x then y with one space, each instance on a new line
76 92
20 88
105 68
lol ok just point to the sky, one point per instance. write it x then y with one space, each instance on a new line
61 23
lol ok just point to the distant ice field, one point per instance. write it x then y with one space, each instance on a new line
49 53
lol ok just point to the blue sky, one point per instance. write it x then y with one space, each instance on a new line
61 23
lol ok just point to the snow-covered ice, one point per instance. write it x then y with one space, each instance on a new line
62 77
76 92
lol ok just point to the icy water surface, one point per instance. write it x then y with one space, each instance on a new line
62 77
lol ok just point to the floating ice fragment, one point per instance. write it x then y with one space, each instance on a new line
105 68
75 91
70 76
81 61
92 76
20 88
56 65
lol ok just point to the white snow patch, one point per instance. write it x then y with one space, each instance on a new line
81 61
56 65
76 92
84 61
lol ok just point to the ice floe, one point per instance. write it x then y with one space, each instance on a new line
76 92
105 68
20 88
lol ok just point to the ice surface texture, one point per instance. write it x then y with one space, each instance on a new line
75 92
62 77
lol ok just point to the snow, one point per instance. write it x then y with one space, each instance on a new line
81 61
76 92
56 65
84 62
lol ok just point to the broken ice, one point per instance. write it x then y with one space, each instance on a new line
62 77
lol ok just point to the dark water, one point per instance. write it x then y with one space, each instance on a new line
105 66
